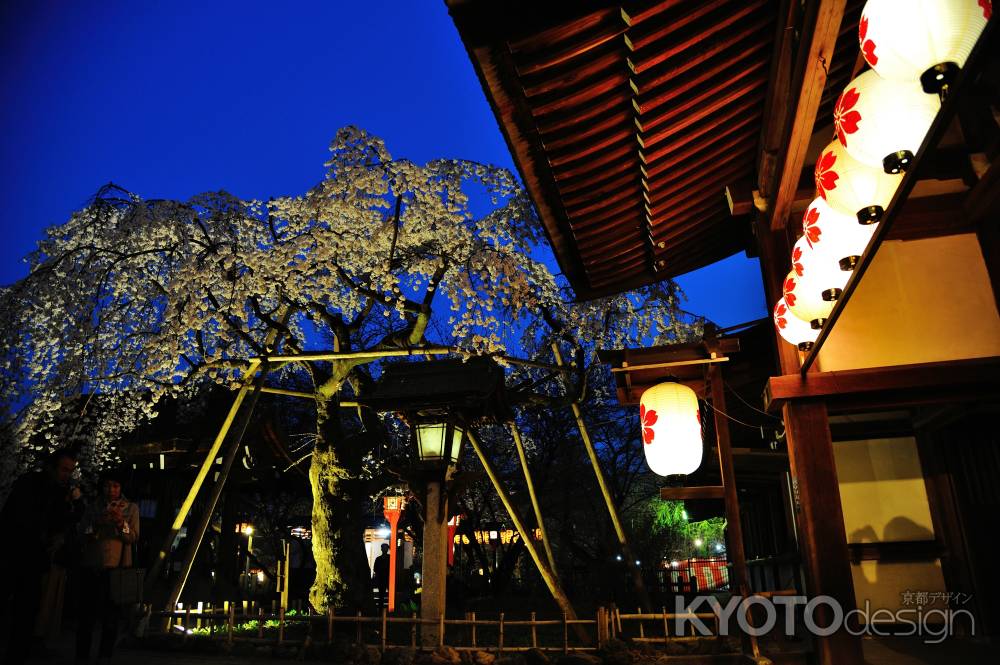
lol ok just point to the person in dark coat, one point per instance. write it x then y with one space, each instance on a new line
34 521
380 576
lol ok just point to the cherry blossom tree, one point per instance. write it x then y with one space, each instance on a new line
131 301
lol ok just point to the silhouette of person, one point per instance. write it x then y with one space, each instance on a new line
380 578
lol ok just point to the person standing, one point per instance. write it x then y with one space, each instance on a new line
109 526
34 520
380 576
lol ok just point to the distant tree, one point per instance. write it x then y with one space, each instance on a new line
135 300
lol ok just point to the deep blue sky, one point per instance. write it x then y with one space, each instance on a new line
169 99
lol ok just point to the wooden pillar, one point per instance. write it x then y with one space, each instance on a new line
820 518
435 563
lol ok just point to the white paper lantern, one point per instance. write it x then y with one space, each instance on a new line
671 429
852 186
835 237
921 40
882 122
803 291
793 329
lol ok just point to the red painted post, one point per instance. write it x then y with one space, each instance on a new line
392 507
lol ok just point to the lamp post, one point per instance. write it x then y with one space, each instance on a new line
439 440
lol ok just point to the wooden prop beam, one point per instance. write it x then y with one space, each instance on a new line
199 480
534 497
198 533
548 576
609 500
684 493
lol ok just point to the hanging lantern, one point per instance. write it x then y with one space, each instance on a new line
825 272
834 237
925 40
793 329
671 429
803 292
853 187
882 122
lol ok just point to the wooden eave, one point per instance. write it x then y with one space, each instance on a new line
620 118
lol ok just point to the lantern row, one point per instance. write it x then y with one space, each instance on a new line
915 49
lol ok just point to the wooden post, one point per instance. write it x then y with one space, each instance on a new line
534 497
230 621
329 625
473 629
385 627
565 635
609 501
357 624
441 629
820 517
187 622
260 622
435 562
500 642
642 633
534 632
281 625
413 630
547 575
666 628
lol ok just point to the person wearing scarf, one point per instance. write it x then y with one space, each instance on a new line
110 526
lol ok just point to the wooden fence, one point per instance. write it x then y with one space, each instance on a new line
500 634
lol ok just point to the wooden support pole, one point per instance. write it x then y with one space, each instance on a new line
199 480
609 501
534 497
547 575
196 535
822 537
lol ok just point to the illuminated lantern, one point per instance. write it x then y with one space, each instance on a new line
883 122
671 429
834 237
853 187
925 40
803 293
793 329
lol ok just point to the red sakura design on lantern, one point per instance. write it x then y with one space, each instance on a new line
648 418
810 226
788 289
987 6
825 176
867 45
780 313
845 117
797 261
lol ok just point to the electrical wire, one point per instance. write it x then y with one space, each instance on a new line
735 420
748 404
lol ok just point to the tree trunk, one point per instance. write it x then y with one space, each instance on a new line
338 516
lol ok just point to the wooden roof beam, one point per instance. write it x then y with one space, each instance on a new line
823 20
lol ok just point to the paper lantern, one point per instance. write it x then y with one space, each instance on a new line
853 187
803 292
671 429
921 40
882 122
793 329
835 237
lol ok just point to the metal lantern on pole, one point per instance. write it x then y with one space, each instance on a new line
925 40
882 122
852 186
439 440
793 329
671 429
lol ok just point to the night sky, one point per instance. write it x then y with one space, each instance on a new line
169 99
